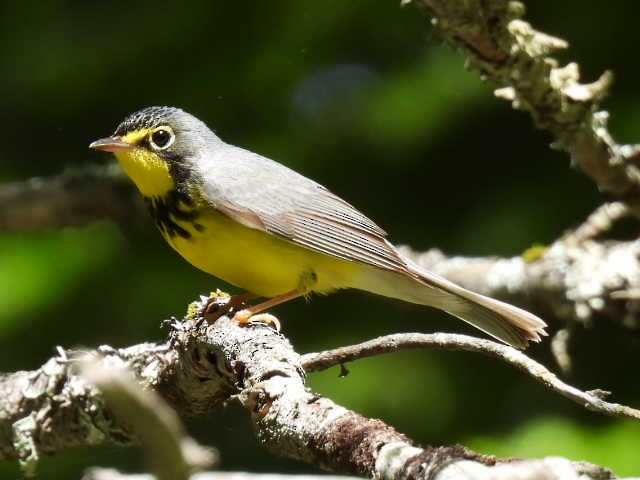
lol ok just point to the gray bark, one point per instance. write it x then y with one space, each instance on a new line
201 365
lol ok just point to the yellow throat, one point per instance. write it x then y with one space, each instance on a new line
147 170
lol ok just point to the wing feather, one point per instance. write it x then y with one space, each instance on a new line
332 229
266 195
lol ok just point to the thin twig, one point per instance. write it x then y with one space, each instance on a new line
313 362
600 222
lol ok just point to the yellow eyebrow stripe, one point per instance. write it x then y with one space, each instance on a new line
136 136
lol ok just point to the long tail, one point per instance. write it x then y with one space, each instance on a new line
501 320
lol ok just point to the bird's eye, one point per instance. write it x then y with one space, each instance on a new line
161 138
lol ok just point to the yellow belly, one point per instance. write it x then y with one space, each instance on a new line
259 262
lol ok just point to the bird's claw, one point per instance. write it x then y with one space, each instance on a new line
245 317
219 304
213 311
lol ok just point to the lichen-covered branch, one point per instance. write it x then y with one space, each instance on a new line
508 51
201 365
573 281
50 409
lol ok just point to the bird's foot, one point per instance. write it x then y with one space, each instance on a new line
220 303
214 308
245 317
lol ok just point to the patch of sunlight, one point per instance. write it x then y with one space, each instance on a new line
613 445
38 269
424 100
373 386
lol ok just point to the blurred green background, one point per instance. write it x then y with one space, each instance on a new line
359 96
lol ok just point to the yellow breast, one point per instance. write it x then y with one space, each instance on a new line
247 258
257 261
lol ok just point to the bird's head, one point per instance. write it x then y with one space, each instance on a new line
158 147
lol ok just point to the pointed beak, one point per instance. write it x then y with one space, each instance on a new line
110 144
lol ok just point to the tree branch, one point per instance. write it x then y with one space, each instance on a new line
111 474
570 280
201 365
75 197
593 400
600 222
55 407
509 52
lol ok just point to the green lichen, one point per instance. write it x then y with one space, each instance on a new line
195 309
24 443
92 417
534 252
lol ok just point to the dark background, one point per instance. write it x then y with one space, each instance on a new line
359 96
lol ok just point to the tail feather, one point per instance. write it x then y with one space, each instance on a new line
507 323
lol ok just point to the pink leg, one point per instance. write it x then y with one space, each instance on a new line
247 315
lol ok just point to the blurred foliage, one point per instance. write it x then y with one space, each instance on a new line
571 440
359 96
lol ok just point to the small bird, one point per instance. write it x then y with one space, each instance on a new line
273 232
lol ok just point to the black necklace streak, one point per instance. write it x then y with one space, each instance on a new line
172 207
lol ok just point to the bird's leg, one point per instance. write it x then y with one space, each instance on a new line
240 299
250 314
216 308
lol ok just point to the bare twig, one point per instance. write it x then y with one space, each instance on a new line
509 52
600 222
449 341
171 454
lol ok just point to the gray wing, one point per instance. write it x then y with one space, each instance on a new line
265 195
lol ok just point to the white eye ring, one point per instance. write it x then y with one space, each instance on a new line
162 138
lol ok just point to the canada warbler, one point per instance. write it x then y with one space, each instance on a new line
275 233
